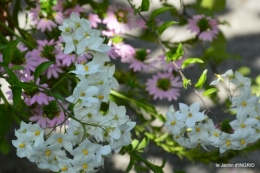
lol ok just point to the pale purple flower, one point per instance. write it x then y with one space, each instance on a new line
164 85
125 51
120 20
205 27
76 9
140 62
40 98
45 24
94 20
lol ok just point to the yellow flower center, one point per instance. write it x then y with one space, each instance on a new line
86 68
47 152
216 134
85 152
85 166
228 142
37 133
242 125
197 129
190 115
242 141
22 145
173 123
101 97
64 168
244 103
59 140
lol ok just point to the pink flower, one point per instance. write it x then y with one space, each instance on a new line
119 20
205 27
77 9
40 98
94 20
45 24
164 85
140 61
125 51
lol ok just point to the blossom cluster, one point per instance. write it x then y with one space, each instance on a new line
90 134
192 128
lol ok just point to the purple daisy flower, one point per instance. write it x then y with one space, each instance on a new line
120 20
205 27
140 61
164 85
125 51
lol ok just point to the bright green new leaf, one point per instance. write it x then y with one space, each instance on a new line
202 79
214 5
159 11
190 61
210 91
9 51
165 25
185 82
134 144
145 5
244 70
179 52
41 68
168 56
143 143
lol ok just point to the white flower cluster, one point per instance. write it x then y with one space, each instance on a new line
191 128
91 135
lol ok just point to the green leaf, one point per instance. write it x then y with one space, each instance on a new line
244 70
202 79
214 5
158 11
17 67
13 78
4 147
190 61
165 25
168 56
185 82
143 143
179 52
41 68
58 96
210 91
145 5
17 93
161 138
134 144
9 51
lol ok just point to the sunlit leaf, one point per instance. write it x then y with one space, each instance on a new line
190 61
202 79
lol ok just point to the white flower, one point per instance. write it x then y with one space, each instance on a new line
243 104
228 73
62 140
199 131
242 138
226 142
241 82
86 149
88 165
88 68
172 123
245 125
191 114
65 166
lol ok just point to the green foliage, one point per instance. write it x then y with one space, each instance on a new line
164 26
41 68
191 61
202 79
185 82
175 54
9 51
145 5
210 91
157 12
244 70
